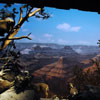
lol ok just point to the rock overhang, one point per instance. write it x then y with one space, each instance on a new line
84 5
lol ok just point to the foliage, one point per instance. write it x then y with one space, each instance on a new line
82 78
11 70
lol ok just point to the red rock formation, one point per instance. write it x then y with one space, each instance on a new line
93 66
57 70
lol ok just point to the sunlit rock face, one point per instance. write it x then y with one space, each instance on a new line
56 69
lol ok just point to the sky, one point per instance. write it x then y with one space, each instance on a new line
68 27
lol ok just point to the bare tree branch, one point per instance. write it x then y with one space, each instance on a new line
6 42
11 37
4 21
21 12
34 12
18 38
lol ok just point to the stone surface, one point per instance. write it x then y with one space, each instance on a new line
10 94
61 4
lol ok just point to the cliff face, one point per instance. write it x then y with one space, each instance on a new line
57 69
92 64
55 75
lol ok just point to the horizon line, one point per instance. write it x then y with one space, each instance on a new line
56 44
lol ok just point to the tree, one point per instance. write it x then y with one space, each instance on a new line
80 77
9 25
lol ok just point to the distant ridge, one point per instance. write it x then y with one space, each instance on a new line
80 49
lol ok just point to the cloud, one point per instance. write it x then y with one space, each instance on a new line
46 39
75 29
64 26
25 51
32 36
51 15
62 41
42 40
84 42
47 35
79 50
67 27
25 30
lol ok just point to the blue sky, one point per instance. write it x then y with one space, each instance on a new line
68 27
